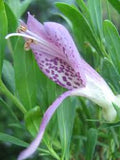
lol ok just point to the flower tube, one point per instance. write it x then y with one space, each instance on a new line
59 59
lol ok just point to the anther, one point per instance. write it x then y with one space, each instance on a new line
27 44
21 29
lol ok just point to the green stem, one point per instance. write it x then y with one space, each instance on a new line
8 94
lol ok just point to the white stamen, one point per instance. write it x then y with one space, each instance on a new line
21 35
44 45
33 34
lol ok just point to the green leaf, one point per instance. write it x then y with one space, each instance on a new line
84 9
95 10
16 125
110 125
80 26
66 115
15 7
32 120
91 143
25 75
111 75
117 154
112 42
12 21
9 110
3 32
117 110
41 79
115 4
50 88
8 75
24 6
7 138
82 6
18 7
12 25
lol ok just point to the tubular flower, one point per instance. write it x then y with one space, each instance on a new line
59 59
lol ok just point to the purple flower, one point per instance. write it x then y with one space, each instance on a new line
59 59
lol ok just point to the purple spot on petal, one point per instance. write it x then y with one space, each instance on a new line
46 59
70 78
66 74
75 87
60 71
55 62
47 71
46 63
52 71
56 68
63 49
64 78
78 84
56 75
68 83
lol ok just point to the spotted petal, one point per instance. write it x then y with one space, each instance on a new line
55 52
60 37
59 58
58 70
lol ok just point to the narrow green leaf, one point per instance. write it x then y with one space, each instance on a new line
110 125
15 7
45 87
117 110
16 125
32 120
9 109
41 88
111 75
91 143
117 155
80 26
50 88
112 42
18 7
24 6
3 32
84 9
95 10
12 25
12 21
25 75
115 4
8 75
66 115
7 138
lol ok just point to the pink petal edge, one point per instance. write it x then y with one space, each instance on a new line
47 116
35 26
